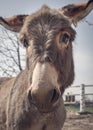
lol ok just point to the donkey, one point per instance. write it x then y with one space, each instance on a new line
33 100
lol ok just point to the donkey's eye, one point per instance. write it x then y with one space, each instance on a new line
64 38
26 43
24 40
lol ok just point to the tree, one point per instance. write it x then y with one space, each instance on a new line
12 54
90 24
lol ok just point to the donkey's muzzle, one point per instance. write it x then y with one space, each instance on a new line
44 101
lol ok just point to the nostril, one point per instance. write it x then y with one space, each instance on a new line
54 96
29 96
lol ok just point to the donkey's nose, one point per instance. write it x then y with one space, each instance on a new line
53 96
43 99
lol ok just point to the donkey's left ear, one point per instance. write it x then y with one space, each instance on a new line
76 12
14 23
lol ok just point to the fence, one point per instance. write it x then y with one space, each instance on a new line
81 96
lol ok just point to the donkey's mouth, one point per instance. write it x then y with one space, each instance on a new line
47 110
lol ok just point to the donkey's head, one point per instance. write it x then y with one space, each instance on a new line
48 36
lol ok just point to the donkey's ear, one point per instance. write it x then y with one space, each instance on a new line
76 12
14 23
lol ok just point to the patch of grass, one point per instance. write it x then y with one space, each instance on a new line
89 109
74 108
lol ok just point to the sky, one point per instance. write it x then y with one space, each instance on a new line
82 46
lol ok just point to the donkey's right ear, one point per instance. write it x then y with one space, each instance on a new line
14 23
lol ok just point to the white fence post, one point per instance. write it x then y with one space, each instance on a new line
82 98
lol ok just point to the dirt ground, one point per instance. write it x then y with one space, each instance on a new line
75 121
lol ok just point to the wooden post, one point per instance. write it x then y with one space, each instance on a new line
82 98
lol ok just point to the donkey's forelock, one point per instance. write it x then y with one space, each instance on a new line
46 18
45 22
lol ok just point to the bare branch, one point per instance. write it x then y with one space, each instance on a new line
11 54
90 24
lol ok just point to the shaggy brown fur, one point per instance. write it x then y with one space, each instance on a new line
33 100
